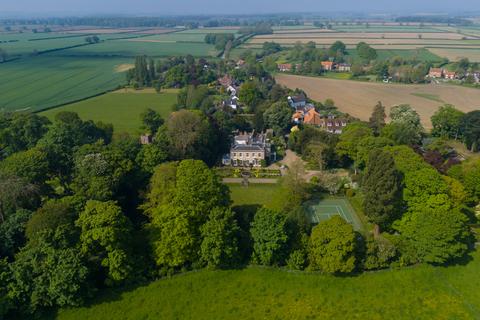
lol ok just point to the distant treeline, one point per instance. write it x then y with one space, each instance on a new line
435 19
173 21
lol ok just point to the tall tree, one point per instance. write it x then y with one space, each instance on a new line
151 121
104 239
382 189
447 122
471 130
333 246
219 246
377 119
437 235
269 233
278 117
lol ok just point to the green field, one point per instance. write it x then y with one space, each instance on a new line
422 292
254 194
41 82
384 54
120 109
324 209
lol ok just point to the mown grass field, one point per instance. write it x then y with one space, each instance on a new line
422 292
122 109
45 81
254 194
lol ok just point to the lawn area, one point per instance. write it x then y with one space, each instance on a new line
122 109
422 292
254 194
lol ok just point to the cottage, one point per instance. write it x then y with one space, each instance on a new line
435 73
344 67
313 118
284 67
297 101
248 149
328 65
451 75
333 125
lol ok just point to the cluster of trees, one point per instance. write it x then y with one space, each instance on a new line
220 40
257 29
175 72
92 39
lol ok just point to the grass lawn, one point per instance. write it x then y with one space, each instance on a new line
254 194
120 108
422 292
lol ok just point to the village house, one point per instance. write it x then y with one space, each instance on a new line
297 101
300 111
248 149
284 67
328 65
231 102
329 123
225 81
344 67
451 75
435 73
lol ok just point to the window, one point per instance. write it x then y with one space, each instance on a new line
234 154
240 154
259 154
246 154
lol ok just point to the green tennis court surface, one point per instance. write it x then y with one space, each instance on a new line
320 210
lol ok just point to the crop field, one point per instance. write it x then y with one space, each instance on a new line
382 37
45 81
358 98
419 54
121 108
422 292
454 54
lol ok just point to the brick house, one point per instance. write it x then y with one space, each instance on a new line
284 67
328 65
344 67
451 75
435 73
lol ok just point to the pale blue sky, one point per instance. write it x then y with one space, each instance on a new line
231 6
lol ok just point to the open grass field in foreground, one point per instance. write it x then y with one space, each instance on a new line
120 108
422 292
358 98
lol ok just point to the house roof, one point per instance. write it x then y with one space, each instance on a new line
226 80
297 115
298 98
312 117
327 63
246 148
436 70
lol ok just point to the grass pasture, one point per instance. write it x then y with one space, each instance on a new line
254 194
358 98
455 54
422 292
323 209
120 108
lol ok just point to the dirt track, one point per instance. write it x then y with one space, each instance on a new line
358 98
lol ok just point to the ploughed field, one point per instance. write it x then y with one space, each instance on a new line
358 98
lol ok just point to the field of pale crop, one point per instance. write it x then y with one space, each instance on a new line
421 292
454 54
358 98
121 108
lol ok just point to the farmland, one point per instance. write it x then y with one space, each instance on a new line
438 39
121 108
46 81
358 98
73 70
422 292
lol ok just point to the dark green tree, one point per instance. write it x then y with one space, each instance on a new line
447 122
381 186
377 119
471 130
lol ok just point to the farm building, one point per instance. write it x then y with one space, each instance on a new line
451 75
284 67
435 73
344 67
328 65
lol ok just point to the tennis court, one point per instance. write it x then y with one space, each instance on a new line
320 210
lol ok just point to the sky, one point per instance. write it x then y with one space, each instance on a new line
187 7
